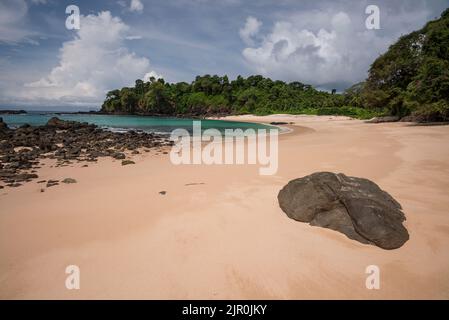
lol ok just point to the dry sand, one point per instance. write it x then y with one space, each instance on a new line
226 237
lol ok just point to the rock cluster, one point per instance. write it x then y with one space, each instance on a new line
356 207
22 149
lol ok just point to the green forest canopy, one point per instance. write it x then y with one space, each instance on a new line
411 78
209 95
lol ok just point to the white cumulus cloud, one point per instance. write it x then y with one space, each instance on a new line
322 48
95 61
136 5
251 28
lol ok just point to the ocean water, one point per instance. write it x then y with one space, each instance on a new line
123 123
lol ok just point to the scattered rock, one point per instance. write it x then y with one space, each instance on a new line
22 149
119 156
42 190
126 162
274 123
69 180
25 177
356 207
14 185
51 183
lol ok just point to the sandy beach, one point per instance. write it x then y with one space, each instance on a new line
218 232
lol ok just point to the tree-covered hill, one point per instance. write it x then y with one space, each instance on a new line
213 95
412 77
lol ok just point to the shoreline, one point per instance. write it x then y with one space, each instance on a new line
218 232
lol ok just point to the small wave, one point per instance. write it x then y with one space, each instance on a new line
115 129
124 130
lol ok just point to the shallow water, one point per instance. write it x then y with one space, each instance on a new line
121 122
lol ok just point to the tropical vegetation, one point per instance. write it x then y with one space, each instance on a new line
410 79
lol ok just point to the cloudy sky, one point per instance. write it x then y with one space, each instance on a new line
43 65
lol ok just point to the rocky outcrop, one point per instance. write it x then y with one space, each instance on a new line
65 125
356 207
22 149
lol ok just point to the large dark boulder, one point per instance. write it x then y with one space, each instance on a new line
57 123
356 207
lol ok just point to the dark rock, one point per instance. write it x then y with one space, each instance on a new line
69 180
163 193
119 156
356 207
194 184
51 183
126 162
65 141
57 123
274 123
14 185
25 176
64 124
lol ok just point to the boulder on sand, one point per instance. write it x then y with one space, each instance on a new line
69 180
356 207
119 156
126 162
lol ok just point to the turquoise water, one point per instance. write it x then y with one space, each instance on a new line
119 123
